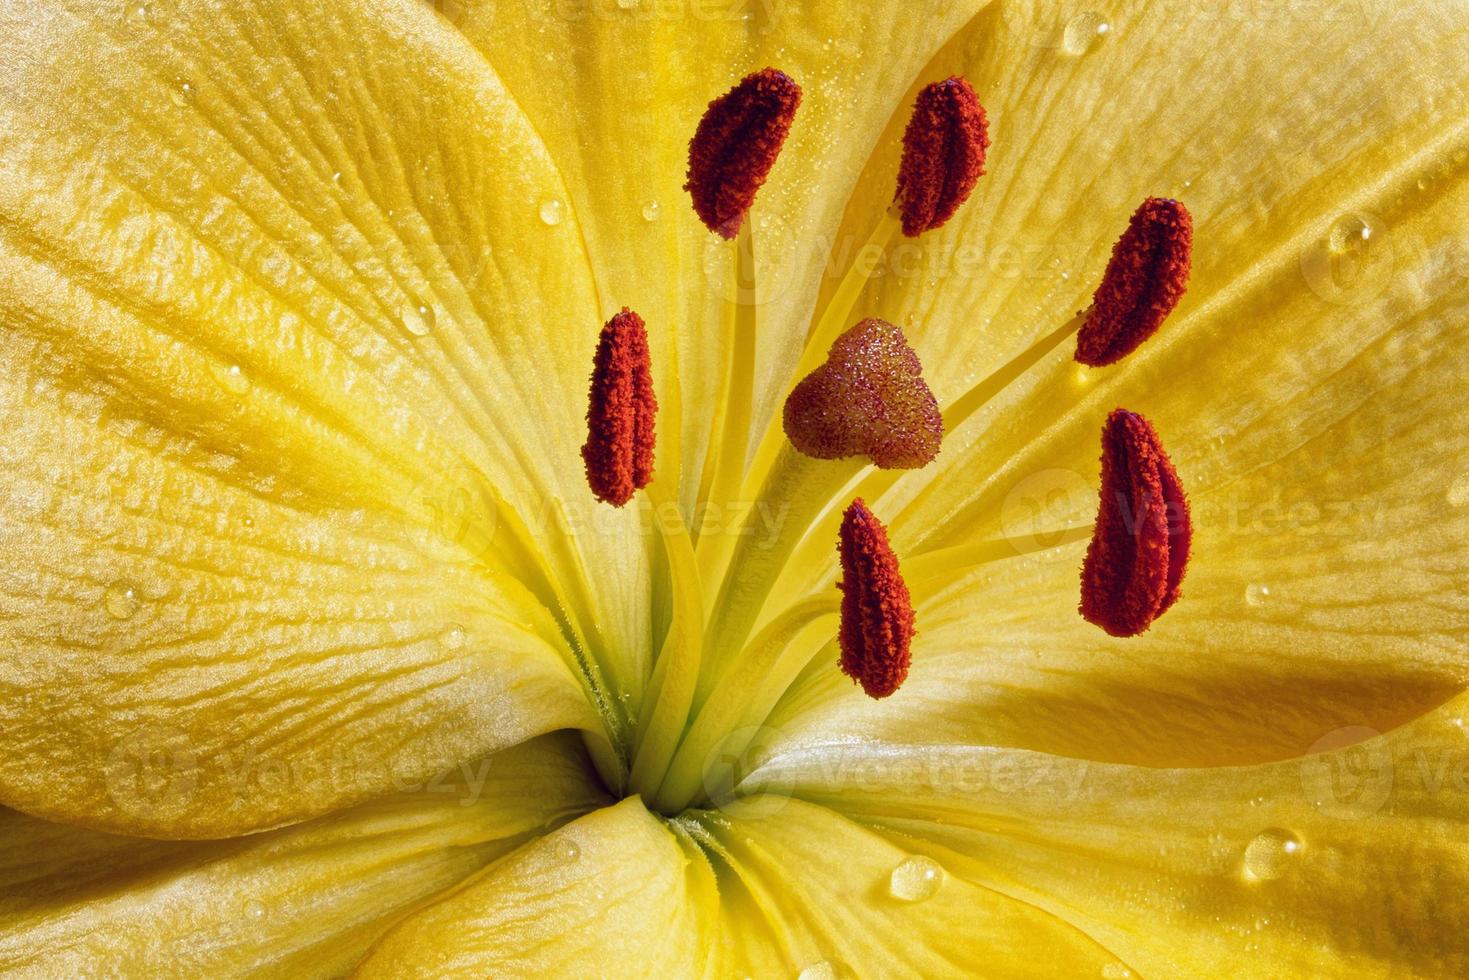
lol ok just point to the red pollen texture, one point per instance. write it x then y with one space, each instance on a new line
620 412
877 611
1140 545
736 145
869 398
1146 277
943 154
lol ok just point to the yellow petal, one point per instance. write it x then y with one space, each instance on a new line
281 323
1347 862
1305 389
804 888
618 116
304 901
614 894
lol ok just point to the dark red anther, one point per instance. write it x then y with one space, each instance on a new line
620 412
943 154
1140 545
877 612
869 398
736 145
1145 279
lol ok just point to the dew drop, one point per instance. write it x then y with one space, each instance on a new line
1080 377
136 11
1116 971
337 177
183 92
452 638
567 850
551 211
1270 853
232 378
652 210
121 600
418 318
1257 594
1458 494
1083 31
628 4
1350 233
916 879
821 970
254 911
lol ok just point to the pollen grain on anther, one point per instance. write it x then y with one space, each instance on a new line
876 630
1140 544
944 148
736 144
620 412
1145 278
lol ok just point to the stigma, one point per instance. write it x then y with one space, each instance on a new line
620 412
943 154
1140 545
1145 278
876 630
868 399
735 146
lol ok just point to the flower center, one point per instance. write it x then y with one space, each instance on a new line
728 650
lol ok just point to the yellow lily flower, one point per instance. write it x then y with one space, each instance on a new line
318 654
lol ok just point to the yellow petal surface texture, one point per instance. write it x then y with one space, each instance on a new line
304 901
1346 862
1305 388
805 889
281 325
614 894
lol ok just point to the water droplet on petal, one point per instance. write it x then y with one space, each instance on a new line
136 11
628 4
916 879
121 600
567 850
337 177
1083 31
1349 233
1458 494
452 638
183 92
1270 854
1257 594
232 378
418 318
821 970
652 210
1116 971
551 211
254 911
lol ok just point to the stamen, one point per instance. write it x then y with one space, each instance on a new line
869 398
1141 541
1146 277
877 611
736 145
620 412
943 154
